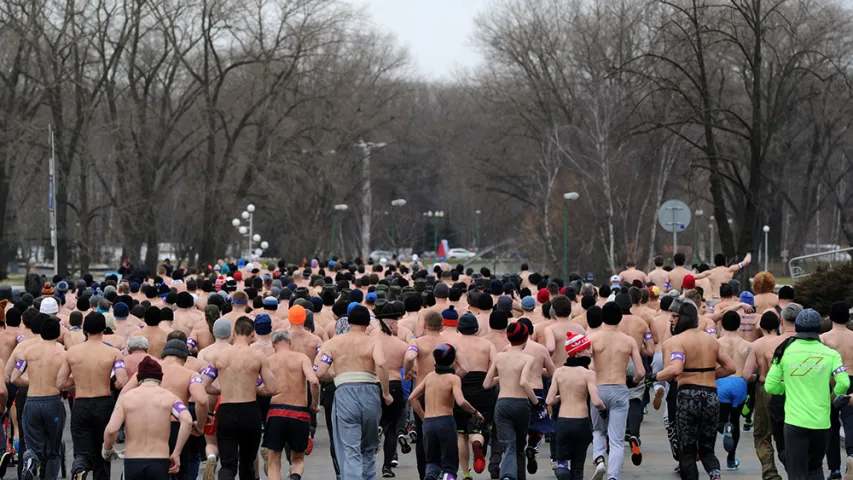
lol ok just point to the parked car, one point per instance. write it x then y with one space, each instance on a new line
460 253
377 255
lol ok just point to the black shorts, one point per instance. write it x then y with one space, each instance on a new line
146 468
481 399
287 426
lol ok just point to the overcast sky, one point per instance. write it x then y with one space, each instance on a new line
437 32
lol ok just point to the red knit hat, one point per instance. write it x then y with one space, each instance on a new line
688 282
517 333
576 343
543 296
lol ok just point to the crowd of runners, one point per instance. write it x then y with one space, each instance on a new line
221 372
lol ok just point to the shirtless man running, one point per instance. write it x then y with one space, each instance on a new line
43 435
611 351
360 364
721 274
146 413
840 338
222 333
754 372
288 422
395 351
91 363
511 370
732 389
692 357
240 369
479 354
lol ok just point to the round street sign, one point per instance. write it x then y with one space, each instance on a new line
674 216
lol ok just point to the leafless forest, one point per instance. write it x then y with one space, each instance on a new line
171 115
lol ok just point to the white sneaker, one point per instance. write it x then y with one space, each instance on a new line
600 470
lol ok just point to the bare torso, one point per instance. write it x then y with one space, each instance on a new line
611 350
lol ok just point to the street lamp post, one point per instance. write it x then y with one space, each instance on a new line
766 248
341 207
699 214
366 196
477 229
400 202
567 197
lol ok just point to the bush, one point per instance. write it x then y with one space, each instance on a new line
823 287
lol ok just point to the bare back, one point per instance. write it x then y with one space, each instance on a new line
509 366
572 387
147 428
239 368
91 364
611 350
738 349
438 391
289 369
841 340
43 362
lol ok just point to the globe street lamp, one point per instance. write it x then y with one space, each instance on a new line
341 207
567 197
766 248
699 214
235 222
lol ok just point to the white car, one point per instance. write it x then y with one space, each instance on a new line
460 253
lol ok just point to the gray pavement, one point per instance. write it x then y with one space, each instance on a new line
657 460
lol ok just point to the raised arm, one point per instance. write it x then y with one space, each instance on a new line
740 266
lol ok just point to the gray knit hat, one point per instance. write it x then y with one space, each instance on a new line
808 321
175 348
222 329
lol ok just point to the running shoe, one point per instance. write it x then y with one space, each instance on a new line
394 461
600 469
310 447
467 476
28 472
494 465
735 464
5 460
658 398
747 424
403 440
413 435
210 468
834 475
728 439
636 454
479 457
387 472
532 465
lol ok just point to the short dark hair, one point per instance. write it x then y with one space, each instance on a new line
725 290
786 293
593 316
731 321
562 306
769 322
630 263
244 327
75 319
176 335
679 259
658 261
50 328
524 267
720 260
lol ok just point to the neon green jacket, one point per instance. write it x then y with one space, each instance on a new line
803 375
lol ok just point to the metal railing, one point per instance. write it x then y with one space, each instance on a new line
838 256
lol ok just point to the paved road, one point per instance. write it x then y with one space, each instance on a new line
657 460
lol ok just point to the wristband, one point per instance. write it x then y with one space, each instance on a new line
19 338
677 356
740 266
647 336
191 343
118 365
711 331
21 365
196 379
413 348
315 367
178 408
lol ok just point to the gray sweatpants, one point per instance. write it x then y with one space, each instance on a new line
512 419
615 398
355 420
43 423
